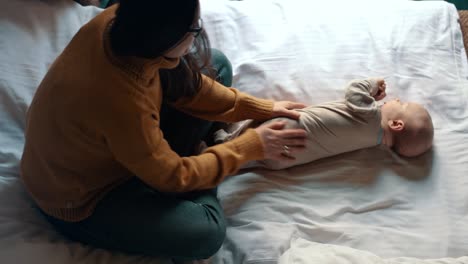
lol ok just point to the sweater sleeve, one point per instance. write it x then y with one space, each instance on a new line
217 102
359 95
136 141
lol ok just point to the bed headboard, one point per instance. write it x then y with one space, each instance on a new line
464 27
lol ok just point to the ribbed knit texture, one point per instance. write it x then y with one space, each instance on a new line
94 123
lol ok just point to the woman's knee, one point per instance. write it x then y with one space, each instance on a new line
197 233
223 67
206 239
196 238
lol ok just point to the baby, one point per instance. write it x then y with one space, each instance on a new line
355 123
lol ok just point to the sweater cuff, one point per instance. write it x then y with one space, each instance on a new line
249 145
256 108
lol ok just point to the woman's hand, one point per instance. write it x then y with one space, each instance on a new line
285 109
279 143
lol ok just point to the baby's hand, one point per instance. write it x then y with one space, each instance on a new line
381 92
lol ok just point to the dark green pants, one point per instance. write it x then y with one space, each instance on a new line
135 218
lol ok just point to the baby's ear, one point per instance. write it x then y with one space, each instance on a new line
396 125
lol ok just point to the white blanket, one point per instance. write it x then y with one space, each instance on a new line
305 252
303 50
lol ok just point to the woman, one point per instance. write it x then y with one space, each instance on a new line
109 155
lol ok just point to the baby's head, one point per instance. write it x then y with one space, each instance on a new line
408 127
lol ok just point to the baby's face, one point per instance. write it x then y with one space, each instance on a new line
402 109
394 106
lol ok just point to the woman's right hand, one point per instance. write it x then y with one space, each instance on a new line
279 143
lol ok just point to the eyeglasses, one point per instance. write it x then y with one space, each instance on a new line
197 29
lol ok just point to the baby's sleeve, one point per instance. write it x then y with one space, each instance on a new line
359 94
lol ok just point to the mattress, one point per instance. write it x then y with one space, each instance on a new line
367 206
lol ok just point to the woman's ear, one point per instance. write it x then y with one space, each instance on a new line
396 125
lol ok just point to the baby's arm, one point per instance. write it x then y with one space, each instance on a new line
362 94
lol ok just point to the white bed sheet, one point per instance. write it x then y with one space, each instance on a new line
281 50
368 200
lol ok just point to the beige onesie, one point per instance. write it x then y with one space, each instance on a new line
332 128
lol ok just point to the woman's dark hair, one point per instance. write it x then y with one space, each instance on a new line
149 28
185 79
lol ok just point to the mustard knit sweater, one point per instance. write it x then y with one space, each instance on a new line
94 123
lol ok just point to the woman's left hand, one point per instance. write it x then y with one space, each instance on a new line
285 109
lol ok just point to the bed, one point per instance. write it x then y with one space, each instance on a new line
367 206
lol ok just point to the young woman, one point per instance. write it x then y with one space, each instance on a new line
112 130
